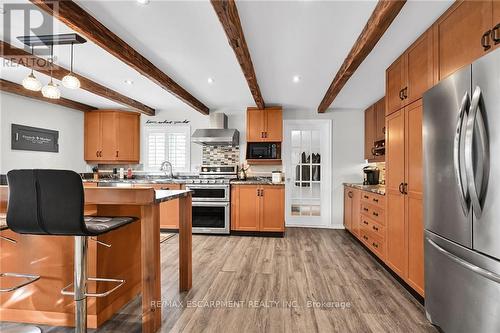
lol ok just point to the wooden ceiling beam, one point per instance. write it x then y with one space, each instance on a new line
85 24
383 15
21 57
228 16
18 89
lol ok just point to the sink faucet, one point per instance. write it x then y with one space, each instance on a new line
167 167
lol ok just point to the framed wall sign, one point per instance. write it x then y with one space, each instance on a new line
34 139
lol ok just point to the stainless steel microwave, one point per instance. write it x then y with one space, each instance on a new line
263 150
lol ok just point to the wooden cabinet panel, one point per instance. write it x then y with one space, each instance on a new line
92 132
272 209
246 208
128 137
414 198
370 123
395 151
265 125
419 66
109 124
255 125
395 78
356 212
457 35
169 210
380 120
348 195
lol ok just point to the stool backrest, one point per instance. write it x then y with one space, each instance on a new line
46 202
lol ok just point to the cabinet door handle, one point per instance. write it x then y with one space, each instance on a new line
375 245
366 238
405 93
97 153
365 209
401 188
485 40
364 222
401 94
265 135
375 214
349 194
375 200
375 228
405 188
258 192
262 192
365 196
495 34
117 153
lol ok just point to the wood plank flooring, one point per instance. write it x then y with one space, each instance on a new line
312 280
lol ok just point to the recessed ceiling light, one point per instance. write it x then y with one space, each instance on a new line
143 2
296 79
210 80
129 82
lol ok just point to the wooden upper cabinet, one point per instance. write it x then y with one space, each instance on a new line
264 125
370 127
458 35
128 137
411 74
419 65
111 136
272 208
380 120
92 132
395 82
274 125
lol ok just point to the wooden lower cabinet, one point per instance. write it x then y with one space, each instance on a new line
352 206
259 208
169 210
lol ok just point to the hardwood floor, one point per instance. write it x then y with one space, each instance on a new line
313 280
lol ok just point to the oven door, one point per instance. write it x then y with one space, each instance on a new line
209 192
210 217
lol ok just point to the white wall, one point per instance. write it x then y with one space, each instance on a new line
347 151
26 111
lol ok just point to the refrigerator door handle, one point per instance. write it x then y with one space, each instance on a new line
476 269
457 151
476 116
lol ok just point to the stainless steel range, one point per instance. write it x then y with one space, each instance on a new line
211 199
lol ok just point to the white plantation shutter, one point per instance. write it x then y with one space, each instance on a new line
167 143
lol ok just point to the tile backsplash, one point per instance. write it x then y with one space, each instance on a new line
220 155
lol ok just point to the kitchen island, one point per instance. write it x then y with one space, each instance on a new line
134 256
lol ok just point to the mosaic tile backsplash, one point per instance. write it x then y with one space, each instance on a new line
221 155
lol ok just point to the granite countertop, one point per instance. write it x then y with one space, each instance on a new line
378 189
166 195
256 181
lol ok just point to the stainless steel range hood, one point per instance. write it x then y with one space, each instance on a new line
218 133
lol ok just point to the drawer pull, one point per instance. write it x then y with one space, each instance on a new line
375 200
365 196
364 222
375 245
375 214
366 238
375 228
365 209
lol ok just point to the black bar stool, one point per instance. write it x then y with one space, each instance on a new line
51 202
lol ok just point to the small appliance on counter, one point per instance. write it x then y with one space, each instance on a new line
277 177
371 175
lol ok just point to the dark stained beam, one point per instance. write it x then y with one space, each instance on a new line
23 58
228 16
83 23
383 15
18 89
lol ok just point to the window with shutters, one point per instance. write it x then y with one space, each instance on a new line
167 143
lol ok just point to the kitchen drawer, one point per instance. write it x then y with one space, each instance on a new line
374 212
373 198
376 245
372 227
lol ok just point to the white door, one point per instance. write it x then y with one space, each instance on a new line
307 162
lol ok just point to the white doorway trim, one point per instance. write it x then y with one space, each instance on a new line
325 128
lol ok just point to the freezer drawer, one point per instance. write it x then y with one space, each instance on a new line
462 287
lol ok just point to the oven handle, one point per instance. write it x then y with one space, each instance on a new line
210 204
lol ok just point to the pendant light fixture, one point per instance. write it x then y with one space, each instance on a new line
70 81
51 90
31 82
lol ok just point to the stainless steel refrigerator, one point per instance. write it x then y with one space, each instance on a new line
461 134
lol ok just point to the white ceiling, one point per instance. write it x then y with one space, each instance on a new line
285 38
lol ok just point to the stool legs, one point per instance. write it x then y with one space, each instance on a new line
80 283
